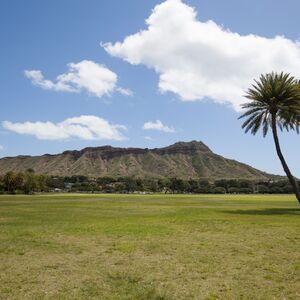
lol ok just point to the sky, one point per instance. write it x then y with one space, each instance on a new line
137 73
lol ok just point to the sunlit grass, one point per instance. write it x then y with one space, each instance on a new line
149 247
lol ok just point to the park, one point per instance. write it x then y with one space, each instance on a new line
113 246
149 150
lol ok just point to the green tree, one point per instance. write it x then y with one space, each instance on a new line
41 182
19 181
130 184
222 183
275 102
219 190
30 182
153 185
164 184
10 182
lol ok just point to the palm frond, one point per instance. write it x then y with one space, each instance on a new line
272 94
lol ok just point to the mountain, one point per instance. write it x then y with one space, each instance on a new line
183 160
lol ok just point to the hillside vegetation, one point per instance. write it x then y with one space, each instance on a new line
183 160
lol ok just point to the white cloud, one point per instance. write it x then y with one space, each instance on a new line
148 138
84 127
86 75
1 148
38 79
198 60
125 92
158 125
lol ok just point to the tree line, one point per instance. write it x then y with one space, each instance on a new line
28 183
23 182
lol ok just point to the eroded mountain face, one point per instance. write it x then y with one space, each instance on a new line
183 160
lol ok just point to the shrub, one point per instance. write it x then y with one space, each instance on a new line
219 190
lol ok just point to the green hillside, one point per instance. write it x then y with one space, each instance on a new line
183 160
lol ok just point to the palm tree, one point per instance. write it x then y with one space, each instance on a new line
275 101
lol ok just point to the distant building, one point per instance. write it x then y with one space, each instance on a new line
68 185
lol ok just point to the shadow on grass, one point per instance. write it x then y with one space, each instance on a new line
266 212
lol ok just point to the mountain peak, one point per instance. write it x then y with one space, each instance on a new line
186 147
183 160
197 145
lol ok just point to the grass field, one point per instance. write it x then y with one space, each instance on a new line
149 247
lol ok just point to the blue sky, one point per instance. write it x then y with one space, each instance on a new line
178 77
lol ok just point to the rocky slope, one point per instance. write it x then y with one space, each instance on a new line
183 160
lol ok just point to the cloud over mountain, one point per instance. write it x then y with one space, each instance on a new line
158 125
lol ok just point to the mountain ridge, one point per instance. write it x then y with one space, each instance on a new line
184 160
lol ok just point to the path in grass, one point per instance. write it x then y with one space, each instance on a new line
149 247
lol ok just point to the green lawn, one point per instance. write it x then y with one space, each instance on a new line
149 247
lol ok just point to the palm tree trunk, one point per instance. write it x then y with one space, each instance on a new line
283 162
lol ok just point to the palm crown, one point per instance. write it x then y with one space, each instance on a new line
273 96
